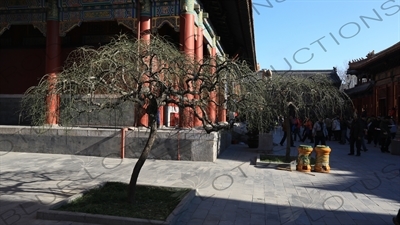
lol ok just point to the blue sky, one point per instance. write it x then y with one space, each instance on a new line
319 34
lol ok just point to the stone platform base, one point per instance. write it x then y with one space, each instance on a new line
170 144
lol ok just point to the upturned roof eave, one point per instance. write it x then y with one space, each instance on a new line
374 58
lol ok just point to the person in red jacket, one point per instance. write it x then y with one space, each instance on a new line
307 133
296 128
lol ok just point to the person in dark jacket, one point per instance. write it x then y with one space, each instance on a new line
320 132
287 132
344 124
385 134
356 133
365 127
377 130
371 129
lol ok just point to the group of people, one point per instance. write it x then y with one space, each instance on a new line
379 130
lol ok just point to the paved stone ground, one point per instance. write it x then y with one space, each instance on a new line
358 190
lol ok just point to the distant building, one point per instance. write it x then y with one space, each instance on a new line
349 82
332 74
378 82
264 73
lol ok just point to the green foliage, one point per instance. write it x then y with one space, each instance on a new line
276 158
283 95
34 103
150 74
152 202
155 73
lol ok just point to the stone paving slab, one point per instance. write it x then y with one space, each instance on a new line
232 190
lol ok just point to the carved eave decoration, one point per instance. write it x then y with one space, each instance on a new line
158 22
130 23
373 58
41 26
66 26
73 13
37 18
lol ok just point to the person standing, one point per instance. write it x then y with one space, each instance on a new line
307 133
393 128
320 132
371 128
385 134
364 133
328 123
336 128
344 124
356 130
377 131
287 132
296 128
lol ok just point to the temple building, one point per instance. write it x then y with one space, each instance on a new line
36 36
331 74
377 90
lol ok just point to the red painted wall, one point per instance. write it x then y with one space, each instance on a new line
22 68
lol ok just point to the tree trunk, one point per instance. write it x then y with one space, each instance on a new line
288 137
139 164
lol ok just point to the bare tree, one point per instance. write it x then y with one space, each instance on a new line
153 74
289 94
342 73
150 74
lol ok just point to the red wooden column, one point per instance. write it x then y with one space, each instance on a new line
53 61
145 28
145 32
188 45
212 107
199 42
